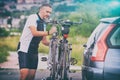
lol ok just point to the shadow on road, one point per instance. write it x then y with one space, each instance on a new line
13 74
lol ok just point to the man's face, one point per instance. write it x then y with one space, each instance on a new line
45 12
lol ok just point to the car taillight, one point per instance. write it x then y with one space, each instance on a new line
101 48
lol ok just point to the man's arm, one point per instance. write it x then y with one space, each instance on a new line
42 33
45 41
37 33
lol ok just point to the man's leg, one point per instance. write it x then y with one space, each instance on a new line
27 74
31 74
33 62
28 65
23 65
24 73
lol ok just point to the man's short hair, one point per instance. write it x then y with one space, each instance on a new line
47 5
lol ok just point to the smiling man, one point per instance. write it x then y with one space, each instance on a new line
33 33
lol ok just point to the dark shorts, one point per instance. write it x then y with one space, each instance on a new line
27 60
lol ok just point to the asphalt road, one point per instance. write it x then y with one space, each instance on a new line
13 74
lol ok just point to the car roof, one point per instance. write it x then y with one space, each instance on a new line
114 20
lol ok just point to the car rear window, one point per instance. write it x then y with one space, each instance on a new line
114 38
96 33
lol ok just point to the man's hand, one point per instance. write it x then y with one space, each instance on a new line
52 30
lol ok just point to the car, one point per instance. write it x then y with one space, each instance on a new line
101 57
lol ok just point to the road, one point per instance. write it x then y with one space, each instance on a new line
13 74
9 70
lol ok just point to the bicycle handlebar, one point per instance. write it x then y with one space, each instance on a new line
64 22
65 25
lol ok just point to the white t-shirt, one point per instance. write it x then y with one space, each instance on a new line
27 40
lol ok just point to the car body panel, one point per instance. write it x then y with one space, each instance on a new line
112 65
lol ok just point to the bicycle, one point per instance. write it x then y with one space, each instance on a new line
60 52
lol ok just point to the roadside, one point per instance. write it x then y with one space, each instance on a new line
12 62
9 70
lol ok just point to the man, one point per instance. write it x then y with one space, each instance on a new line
34 31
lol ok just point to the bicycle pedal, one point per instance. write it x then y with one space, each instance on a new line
70 78
49 68
43 79
73 61
47 78
72 71
44 59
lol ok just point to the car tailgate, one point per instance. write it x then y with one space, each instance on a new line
112 65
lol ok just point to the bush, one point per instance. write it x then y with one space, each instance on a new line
3 53
4 32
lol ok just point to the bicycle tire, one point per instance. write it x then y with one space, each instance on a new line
54 64
65 62
63 68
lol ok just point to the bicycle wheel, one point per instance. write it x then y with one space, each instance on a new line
65 63
54 62
63 70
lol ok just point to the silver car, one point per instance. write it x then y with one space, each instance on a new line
101 58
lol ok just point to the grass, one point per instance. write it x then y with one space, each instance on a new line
3 52
7 44
10 44
77 47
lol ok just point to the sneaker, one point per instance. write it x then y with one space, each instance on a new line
49 66
48 78
43 79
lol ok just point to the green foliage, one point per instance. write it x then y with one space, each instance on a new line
4 12
10 42
90 11
17 13
3 53
4 32
65 8
43 49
